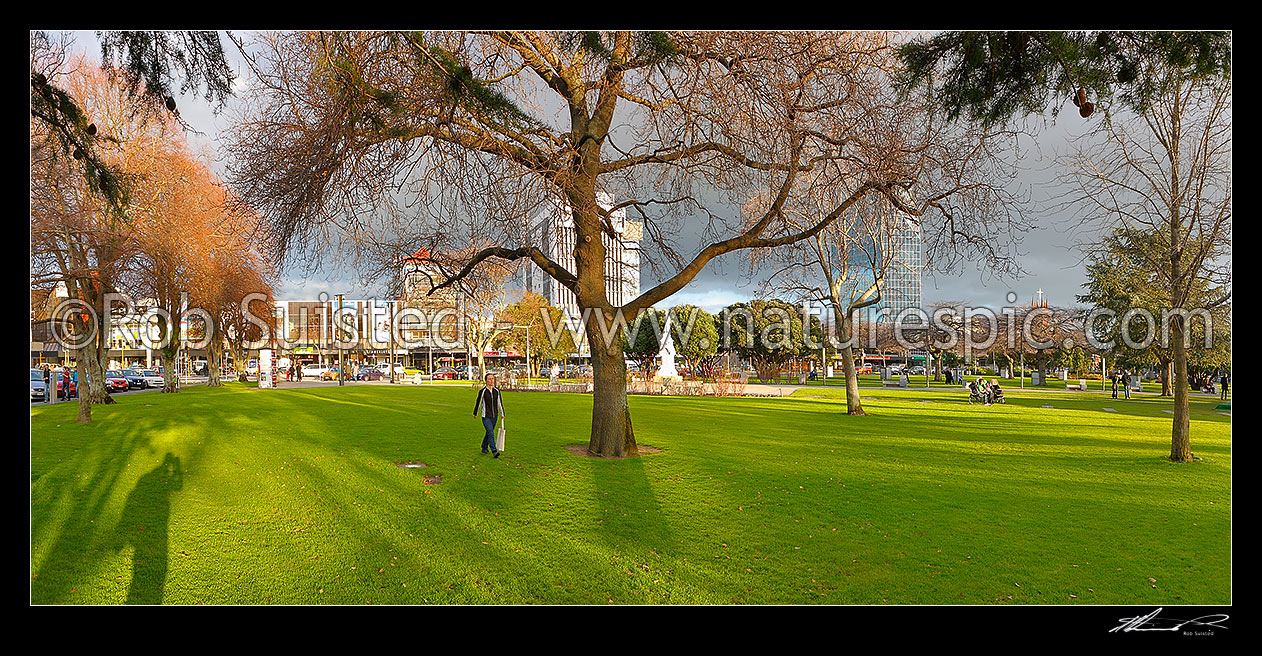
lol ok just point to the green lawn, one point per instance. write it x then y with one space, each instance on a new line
874 380
239 495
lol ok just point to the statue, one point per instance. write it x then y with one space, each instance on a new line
667 352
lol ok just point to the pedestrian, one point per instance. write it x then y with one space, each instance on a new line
1224 380
1126 383
48 384
1113 378
492 408
556 373
64 394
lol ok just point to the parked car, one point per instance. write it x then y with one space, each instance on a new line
135 379
330 374
39 392
369 373
446 373
314 371
865 369
916 371
153 377
115 381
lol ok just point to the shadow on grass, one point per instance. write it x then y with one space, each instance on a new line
69 554
144 526
628 506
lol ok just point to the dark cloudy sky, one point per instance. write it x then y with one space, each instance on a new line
1049 256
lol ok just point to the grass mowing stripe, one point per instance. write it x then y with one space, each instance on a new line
238 495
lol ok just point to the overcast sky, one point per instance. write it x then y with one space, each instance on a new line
1050 259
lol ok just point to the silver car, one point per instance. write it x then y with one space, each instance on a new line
39 391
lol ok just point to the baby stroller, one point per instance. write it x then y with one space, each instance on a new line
996 394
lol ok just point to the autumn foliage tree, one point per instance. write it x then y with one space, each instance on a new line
78 236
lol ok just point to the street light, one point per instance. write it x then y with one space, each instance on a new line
393 310
341 356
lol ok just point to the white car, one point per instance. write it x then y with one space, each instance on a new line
152 378
314 370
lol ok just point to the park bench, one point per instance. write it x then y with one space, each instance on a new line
895 383
1081 385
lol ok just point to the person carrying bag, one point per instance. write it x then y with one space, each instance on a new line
492 408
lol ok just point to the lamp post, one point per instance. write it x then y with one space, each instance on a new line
392 315
528 371
341 356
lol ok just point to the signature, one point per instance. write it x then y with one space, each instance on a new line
1151 622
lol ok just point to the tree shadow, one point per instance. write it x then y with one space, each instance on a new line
144 526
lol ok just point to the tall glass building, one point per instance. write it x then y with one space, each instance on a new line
553 231
905 264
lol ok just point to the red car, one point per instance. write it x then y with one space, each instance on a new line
445 373
115 382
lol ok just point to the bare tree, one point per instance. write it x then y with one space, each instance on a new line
1167 170
375 140
485 295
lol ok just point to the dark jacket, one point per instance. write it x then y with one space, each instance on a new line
489 400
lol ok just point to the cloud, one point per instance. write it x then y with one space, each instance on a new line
710 300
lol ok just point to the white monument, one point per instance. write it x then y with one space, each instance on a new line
667 352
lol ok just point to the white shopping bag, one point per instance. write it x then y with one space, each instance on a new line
499 436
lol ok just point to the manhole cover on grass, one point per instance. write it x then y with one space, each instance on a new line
1045 406
434 480
1108 409
411 465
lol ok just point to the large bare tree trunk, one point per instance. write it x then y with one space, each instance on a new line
214 353
854 406
238 360
214 360
85 391
1180 440
612 434
170 381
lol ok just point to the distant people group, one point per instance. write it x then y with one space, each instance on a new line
57 380
985 391
1123 380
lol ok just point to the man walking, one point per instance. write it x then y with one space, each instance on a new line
1224 380
492 408
48 384
1126 383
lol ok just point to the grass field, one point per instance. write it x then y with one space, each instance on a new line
238 495
874 380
